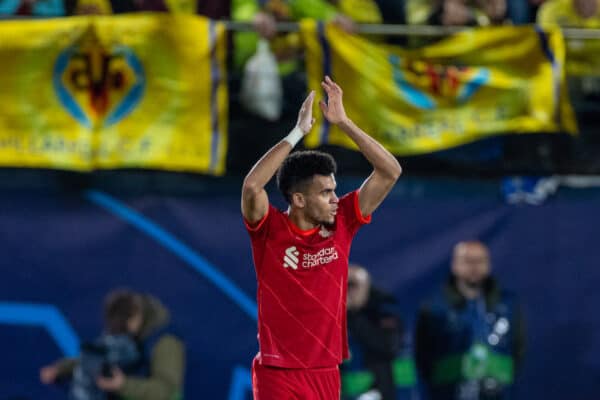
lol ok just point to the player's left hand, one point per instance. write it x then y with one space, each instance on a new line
113 383
333 110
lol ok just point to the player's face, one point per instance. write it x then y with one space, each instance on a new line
471 264
321 200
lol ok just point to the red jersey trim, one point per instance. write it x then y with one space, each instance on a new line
299 231
253 227
361 218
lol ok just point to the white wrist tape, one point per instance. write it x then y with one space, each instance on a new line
294 136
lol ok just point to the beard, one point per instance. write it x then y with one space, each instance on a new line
324 222
328 224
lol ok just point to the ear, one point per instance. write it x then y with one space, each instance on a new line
298 200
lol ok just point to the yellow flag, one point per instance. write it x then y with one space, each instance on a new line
135 91
474 84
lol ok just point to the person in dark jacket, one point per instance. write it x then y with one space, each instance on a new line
469 338
374 329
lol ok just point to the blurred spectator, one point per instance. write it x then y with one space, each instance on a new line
37 8
117 363
265 14
263 19
287 50
583 60
570 13
374 329
517 11
522 11
215 9
104 7
123 6
392 11
89 7
456 12
495 10
470 337
372 12
452 13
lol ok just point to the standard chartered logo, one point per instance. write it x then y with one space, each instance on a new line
292 258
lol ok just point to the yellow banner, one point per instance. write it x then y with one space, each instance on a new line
135 91
471 85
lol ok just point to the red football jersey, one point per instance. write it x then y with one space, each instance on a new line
302 280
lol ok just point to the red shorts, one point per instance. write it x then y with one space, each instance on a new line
271 383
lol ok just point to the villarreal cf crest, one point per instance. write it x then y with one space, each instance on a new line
98 83
426 86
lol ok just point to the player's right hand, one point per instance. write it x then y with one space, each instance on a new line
305 116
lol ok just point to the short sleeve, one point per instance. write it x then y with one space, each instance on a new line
349 209
260 228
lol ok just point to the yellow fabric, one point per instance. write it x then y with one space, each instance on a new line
583 56
362 11
474 84
138 90
419 11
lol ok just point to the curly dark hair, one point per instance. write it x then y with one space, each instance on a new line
299 168
119 306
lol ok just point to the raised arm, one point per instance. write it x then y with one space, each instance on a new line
386 169
255 201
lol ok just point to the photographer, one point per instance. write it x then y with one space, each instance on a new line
117 365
